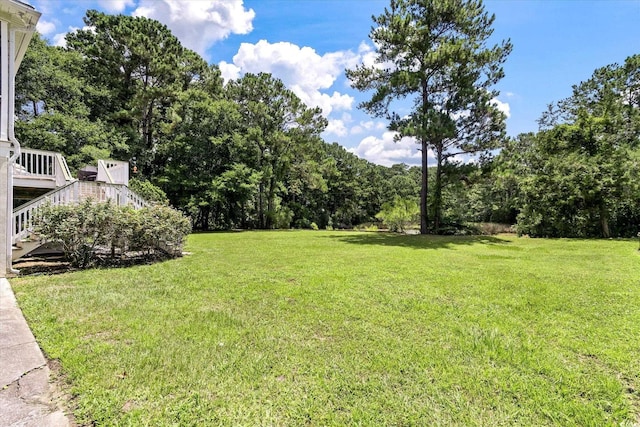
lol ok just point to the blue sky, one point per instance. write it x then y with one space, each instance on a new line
308 43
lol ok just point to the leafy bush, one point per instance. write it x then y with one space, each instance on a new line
282 217
160 228
88 229
366 227
80 229
148 191
398 214
314 226
491 228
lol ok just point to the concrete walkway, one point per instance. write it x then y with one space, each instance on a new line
25 390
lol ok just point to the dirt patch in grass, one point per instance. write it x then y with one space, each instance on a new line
61 397
53 264
49 264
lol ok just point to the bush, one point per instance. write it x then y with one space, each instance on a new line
492 228
148 191
160 228
88 229
399 214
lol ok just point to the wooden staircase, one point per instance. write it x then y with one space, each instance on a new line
48 172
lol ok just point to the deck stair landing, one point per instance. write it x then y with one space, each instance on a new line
40 169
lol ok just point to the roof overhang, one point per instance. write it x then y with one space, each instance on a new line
23 19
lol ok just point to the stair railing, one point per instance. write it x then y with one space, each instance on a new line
23 216
74 192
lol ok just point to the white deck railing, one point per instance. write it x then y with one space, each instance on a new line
74 192
50 165
113 172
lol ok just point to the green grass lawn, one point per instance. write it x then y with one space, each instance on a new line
344 328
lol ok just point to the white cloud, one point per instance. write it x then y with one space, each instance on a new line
339 126
367 126
336 127
229 71
301 69
327 103
45 27
502 106
385 151
59 39
368 55
115 6
199 24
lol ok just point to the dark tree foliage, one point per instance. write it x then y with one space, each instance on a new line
136 68
51 109
580 175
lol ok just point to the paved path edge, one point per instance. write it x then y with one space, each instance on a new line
26 395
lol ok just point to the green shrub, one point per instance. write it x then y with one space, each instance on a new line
399 214
80 229
282 217
160 228
314 226
148 191
87 230
492 228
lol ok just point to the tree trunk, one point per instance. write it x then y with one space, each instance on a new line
271 195
424 191
261 222
604 222
437 199
146 127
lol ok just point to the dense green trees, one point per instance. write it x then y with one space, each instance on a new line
52 109
277 129
249 154
136 69
436 51
580 175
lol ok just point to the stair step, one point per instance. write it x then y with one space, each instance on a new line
22 248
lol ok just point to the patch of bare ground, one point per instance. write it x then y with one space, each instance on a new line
42 265
61 397
56 264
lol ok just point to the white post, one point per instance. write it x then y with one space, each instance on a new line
11 94
4 83
6 189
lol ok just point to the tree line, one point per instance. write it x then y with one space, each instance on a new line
249 153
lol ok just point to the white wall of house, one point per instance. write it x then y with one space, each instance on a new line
17 24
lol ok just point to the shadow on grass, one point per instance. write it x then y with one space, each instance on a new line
416 241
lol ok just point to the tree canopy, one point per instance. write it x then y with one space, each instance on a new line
250 154
246 154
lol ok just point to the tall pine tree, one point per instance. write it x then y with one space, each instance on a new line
435 51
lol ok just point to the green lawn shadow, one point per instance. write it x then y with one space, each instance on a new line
416 241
